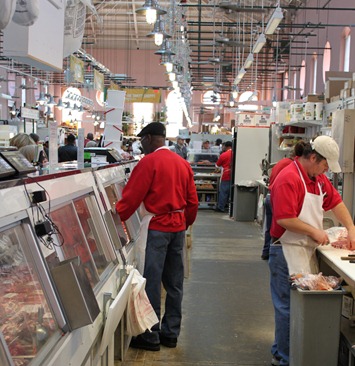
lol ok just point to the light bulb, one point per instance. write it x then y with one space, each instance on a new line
158 39
151 16
175 84
169 66
172 76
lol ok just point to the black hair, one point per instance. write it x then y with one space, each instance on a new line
305 150
71 138
228 143
90 136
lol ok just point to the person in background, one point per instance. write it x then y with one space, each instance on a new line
224 161
267 203
180 147
299 194
34 137
29 149
217 148
164 183
69 151
206 146
89 141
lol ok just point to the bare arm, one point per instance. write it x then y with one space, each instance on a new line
297 226
342 214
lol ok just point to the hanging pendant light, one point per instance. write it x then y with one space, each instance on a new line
151 10
51 101
158 32
164 49
60 104
42 99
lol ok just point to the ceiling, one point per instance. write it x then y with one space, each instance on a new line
217 38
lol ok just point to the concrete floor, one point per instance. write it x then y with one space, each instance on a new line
228 314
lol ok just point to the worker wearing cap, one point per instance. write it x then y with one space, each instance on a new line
165 184
180 147
299 195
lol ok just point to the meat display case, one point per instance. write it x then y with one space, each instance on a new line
74 207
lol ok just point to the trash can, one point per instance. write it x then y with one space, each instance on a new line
315 327
245 203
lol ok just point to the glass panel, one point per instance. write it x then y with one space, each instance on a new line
25 317
91 234
134 220
120 226
74 242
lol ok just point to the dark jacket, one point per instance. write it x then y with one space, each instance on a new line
67 152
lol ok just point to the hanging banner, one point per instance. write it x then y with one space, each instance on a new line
77 69
142 96
113 86
99 81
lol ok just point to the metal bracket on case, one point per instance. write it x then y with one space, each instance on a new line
107 297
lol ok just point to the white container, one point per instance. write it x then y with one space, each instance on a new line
319 111
309 111
297 112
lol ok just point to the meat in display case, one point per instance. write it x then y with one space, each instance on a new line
27 323
80 233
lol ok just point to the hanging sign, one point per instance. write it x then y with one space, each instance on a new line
142 95
77 69
99 81
29 113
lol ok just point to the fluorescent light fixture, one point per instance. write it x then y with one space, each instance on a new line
259 44
248 61
241 73
274 21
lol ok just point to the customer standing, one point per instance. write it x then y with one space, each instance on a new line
69 151
164 183
299 195
224 161
180 147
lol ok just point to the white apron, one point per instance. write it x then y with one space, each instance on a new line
141 242
299 249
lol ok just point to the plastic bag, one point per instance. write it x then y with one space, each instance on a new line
338 237
315 282
140 313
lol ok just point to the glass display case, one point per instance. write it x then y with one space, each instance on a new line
28 326
80 233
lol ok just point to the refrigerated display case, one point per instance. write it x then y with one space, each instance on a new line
28 325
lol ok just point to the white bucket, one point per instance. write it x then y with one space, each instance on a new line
309 111
319 111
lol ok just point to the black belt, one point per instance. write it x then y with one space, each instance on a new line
275 241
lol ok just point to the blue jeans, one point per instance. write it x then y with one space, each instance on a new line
223 196
268 219
164 263
280 294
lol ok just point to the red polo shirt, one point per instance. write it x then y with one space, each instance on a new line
287 195
225 161
165 183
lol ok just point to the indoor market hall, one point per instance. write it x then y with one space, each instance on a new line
227 310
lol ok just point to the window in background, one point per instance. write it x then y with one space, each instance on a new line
302 77
326 59
347 39
210 97
143 112
174 115
313 78
248 96
286 84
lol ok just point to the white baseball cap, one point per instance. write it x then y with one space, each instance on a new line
329 149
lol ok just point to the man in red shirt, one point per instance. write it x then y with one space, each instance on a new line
299 194
165 184
224 161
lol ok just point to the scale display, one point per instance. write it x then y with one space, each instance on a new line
18 162
6 169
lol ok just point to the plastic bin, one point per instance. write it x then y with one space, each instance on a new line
245 203
315 327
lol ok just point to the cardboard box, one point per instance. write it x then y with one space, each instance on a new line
332 89
338 75
314 98
348 84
